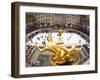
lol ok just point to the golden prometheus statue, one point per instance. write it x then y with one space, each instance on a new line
61 55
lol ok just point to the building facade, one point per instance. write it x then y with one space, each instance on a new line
72 20
50 19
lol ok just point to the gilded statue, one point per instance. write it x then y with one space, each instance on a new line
61 55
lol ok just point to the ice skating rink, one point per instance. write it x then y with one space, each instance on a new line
68 38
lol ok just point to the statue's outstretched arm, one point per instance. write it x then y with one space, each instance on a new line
74 48
77 49
41 49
